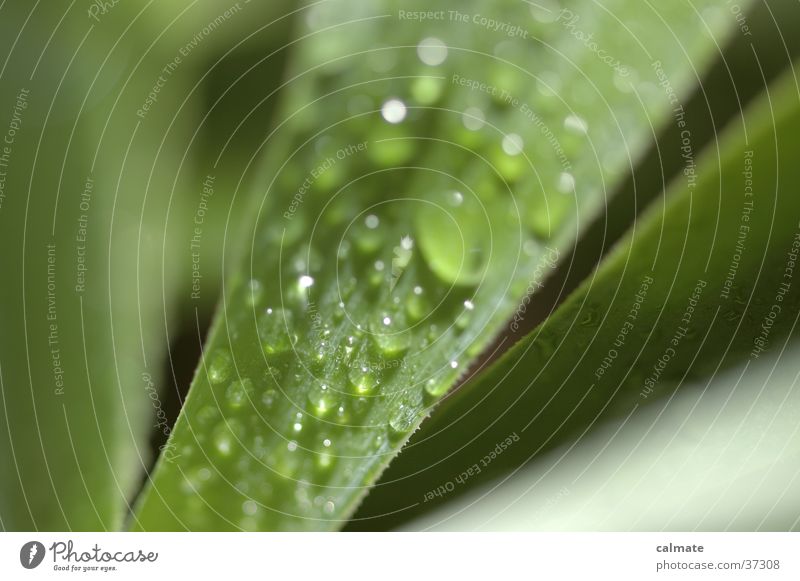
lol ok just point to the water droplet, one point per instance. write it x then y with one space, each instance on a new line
291 445
239 393
220 367
473 118
427 90
576 124
305 282
372 221
417 307
566 183
363 379
454 242
275 331
469 305
329 507
432 51
342 414
512 144
393 111
325 460
401 421
268 398
249 507
226 435
322 399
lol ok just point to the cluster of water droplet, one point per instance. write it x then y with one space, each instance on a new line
403 216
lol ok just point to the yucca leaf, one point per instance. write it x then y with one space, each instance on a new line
399 216
704 280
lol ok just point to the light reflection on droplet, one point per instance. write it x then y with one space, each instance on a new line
394 111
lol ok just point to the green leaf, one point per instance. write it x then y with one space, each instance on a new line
703 281
713 457
408 194
95 214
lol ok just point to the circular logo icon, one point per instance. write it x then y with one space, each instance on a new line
31 554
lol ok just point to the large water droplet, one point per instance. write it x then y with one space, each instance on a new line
455 241
239 393
363 378
401 421
220 367
322 399
275 330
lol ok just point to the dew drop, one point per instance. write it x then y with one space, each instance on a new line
401 421
249 507
363 379
512 144
225 436
275 331
566 183
432 51
268 398
393 111
473 118
576 124
239 393
220 367
455 242
322 399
